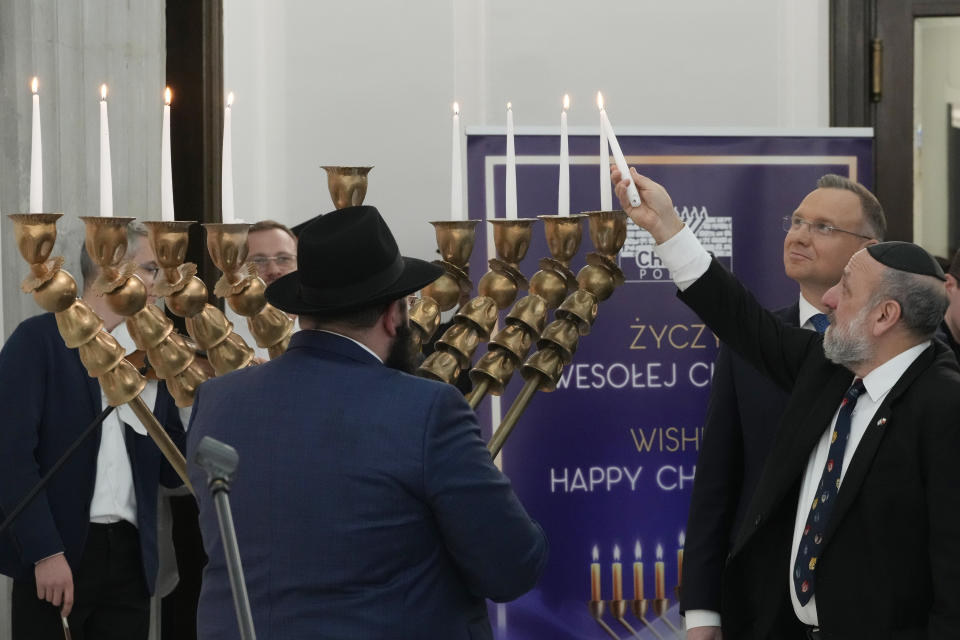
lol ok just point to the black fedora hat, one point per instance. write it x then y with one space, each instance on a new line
347 260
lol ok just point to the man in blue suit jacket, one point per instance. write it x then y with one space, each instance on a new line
87 544
365 503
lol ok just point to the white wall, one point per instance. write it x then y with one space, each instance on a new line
372 81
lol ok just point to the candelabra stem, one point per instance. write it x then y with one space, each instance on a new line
479 392
632 631
650 628
671 626
513 414
162 439
607 628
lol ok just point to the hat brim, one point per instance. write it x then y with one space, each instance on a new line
285 293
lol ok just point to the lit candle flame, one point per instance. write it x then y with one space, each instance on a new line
456 108
596 554
682 539
103 92
230 99
509 106
35 84
599 100
616 553
167 96
636 551
566 101
659 553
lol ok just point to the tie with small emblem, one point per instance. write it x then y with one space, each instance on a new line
819 322
811 542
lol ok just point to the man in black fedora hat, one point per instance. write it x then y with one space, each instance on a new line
366 505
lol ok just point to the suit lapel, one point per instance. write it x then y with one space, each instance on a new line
862 458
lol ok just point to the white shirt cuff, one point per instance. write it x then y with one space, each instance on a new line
701 618
684 256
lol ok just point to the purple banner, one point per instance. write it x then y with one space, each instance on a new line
607 461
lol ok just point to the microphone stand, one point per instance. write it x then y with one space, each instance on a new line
220 460
45 480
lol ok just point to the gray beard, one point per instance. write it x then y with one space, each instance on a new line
848 346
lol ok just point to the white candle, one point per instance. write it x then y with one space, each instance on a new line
36 156
106 178
632 192
563 194
606 197
511 168
166 174
226 183
456 171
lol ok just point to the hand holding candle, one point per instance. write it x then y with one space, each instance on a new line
36 155
595 576
632 192
166 174
658 577
106 176
637 573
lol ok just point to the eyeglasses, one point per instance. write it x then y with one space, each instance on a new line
793 223
150 269
283 261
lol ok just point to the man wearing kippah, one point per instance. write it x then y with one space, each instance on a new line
853 530
366 505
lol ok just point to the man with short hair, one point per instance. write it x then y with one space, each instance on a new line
950 329
86 547
852 530
366 505
833 222
272 249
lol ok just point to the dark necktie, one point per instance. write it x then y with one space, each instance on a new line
811 542
819 322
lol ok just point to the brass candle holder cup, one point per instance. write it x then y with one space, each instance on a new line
455 240
55 291
618 609
574 318
475 321
526 320
244 291
347 185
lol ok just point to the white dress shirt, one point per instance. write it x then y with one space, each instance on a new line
687 260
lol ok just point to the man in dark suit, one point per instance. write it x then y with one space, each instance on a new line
366 504
852 530
86 547
832 222
950 329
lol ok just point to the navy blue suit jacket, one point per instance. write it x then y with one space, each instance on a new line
366 505
48 400
742 417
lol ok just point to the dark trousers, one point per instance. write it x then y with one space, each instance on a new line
109 590
178 611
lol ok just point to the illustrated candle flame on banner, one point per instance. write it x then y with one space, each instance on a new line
36 153
617 574
658 577
106 176
637 573
682 538
595 594
166 173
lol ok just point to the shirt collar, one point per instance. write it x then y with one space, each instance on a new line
879 381
807 311
356 342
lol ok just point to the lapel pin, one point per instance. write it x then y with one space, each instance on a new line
881 422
